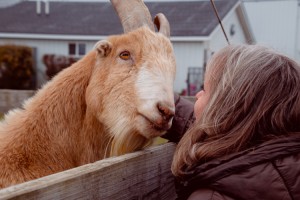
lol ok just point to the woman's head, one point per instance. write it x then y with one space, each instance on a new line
252 93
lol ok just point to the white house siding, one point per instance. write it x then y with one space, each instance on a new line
191 54
46 47
187 54
274 24
218 40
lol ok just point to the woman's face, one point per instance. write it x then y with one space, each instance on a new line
202 96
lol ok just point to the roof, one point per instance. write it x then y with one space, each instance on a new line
187 18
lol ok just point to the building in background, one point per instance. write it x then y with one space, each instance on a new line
276 23
72 28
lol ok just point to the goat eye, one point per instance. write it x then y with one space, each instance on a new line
125 55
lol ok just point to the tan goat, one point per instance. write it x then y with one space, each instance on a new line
113 101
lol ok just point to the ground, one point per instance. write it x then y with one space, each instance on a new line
159 140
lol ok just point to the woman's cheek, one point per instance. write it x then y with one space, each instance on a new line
197 110
199 104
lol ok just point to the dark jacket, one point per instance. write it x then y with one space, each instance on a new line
184 117
270 171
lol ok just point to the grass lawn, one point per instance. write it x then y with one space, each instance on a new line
159 140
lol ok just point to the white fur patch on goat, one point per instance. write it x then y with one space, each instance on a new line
154 87
154 83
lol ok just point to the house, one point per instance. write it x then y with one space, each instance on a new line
72 28
279 28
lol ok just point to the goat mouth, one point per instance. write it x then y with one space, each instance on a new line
158 128
155 126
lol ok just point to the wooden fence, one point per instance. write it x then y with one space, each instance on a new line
142 175
10 99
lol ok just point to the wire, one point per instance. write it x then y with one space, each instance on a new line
220 22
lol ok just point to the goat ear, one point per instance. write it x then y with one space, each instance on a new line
103 48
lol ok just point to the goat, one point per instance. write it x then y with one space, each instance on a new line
113 101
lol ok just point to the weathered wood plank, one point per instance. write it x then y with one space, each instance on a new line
140 175
10 99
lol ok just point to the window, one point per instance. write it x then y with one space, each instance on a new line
81 49
72 49
77 49
194 80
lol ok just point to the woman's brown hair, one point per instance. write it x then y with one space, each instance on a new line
254 96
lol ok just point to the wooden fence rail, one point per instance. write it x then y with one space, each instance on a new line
10 99
142 175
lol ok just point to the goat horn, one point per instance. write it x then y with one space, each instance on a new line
133 14
162 24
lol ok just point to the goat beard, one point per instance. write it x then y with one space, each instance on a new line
127 143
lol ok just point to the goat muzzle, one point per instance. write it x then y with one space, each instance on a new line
166 115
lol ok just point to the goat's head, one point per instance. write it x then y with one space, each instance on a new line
135 73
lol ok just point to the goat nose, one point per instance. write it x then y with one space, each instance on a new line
167 112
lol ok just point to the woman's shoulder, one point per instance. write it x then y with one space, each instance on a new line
208 194
250 173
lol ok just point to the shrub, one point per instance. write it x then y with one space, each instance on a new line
16 67
56 63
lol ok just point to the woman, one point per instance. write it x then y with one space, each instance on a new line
245 142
